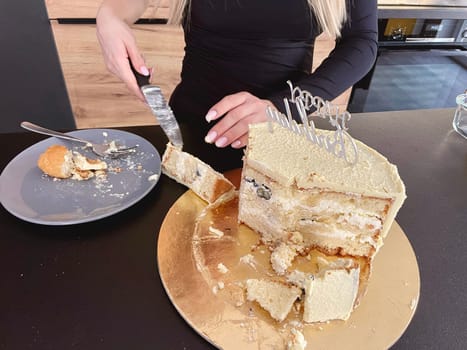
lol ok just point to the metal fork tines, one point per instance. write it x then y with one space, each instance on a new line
102 150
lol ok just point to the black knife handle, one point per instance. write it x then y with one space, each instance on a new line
140 78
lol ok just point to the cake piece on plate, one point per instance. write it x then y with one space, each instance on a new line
275 297
190 171
59 162
290 184
86 168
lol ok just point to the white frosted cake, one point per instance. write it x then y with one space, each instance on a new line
290 185
302 198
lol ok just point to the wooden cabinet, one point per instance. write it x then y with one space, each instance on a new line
98 98
58 9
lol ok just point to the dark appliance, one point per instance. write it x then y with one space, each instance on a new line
422 57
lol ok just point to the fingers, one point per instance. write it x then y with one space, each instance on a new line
226 104
237 112
118 46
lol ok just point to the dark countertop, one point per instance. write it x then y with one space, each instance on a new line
96 285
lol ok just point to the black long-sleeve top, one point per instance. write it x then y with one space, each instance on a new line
257 45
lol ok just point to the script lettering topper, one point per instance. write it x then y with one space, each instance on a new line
340 143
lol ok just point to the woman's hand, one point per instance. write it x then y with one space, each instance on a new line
118 46
238 111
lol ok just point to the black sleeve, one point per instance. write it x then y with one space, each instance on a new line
351 59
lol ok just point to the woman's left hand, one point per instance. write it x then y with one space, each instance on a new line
238 111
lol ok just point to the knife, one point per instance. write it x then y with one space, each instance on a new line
160 108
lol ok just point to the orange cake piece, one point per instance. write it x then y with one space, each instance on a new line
56 161
60 162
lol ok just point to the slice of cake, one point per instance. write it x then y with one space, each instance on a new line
290 184
331 294
195 174
275 297
59 162
56 161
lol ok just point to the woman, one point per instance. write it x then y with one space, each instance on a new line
240 53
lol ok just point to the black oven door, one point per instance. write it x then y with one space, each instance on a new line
411 79
421 62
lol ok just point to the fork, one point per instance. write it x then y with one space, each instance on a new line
102 150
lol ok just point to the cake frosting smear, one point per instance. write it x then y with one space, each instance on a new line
310 189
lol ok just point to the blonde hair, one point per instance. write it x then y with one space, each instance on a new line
331 14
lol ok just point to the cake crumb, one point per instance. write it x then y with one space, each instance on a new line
297 278
153 177
222 268
297 341
216 232
248 260
282 257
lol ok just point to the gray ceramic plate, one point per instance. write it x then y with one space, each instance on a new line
32 196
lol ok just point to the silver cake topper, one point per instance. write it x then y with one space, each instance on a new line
304 102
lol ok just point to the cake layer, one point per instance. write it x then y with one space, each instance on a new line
292 160
344 223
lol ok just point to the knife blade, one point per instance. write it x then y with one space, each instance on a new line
160 108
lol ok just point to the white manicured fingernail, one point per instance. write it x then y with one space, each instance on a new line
144 70
210 136
236 144
211 114
221 142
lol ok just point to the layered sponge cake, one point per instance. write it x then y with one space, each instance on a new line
301 198
190 171
291 186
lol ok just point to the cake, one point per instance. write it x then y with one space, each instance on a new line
56 161
291 185
308 201
331 293
275 297
190 171
60 162
302 198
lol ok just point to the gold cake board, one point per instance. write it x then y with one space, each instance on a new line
212 302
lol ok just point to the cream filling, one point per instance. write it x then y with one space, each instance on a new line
323 230
359 219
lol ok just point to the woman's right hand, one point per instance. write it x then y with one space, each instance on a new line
118 46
